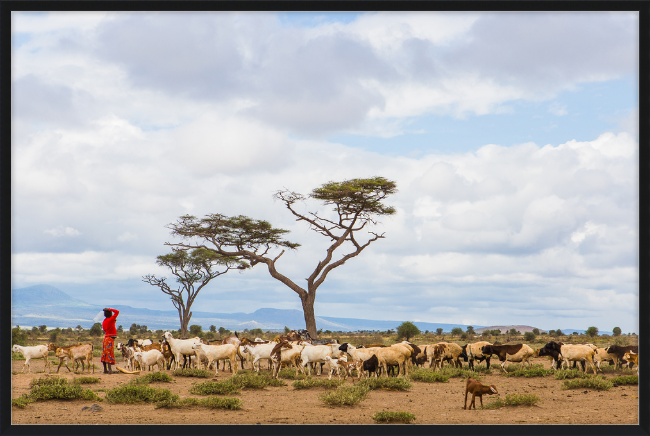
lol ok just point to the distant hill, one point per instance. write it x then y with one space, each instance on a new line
506 328
44 304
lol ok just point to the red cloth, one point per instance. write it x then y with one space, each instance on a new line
108 355
109 324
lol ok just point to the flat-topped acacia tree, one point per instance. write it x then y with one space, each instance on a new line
356 202
193 271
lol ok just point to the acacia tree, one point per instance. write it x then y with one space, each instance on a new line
356 202
193 271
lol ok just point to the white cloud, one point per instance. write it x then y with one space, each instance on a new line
63 231
557 109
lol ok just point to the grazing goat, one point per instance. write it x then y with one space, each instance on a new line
147 359
180 347
35 352
397 354
371 365
473 352
578 353
314 354
634 358
286 353
258 351
619 351
82 352
477 390
515 353
335 365
214 353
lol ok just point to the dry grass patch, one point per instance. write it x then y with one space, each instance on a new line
403 417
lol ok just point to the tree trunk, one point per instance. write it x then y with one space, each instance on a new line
310 317
185 322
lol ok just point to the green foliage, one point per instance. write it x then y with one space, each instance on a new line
250 379
439 331
563 374
96 329
592 331
389 383
86 380
512 400
456 331
529 336
470 330
345 395
212 388
196 330
403 417
192 372
428 376
589 383
485 334
213 328
460 372
210 402
54 335
42 328
290 373
129 394
536 371
616 331
357 196
536 332
625 380
21 402
512 332
152 377
62 392
407 330
48 381
18 336
621 340
314 383
558 332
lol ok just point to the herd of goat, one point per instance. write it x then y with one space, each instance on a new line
299 350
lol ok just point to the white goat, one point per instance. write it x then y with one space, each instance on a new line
180 347
215 353
315 354
334 365
149 358
258 351
35 352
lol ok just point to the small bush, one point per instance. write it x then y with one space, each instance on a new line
17 356
212 388
564 374
48 381
193 372
536 371
129 394
21 402
86 380
345 395
625 380
588 383
390 383
428 376
404 417
62 392
250 380
153 377
313 383
290 373
460 372
211 402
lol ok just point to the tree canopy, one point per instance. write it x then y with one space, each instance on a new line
407 330
592 331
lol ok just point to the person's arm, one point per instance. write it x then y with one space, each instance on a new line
115 312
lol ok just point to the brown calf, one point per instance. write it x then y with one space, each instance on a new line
477 390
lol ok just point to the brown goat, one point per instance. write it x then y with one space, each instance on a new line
477 390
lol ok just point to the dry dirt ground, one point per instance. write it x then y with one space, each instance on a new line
431 403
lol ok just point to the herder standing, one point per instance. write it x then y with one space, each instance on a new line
110 333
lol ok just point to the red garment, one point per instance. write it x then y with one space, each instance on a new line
109 324
108 355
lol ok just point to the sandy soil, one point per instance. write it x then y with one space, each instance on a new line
435 403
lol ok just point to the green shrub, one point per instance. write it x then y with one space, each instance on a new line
345 395
564 374
62 392
460 372
193 372
21 402
48 381
290 373
129 394
250 380
210 402
212 388
535 371
625 380
390 383
153 377
589 383
314 383
86 380
428 376
404 417
17 356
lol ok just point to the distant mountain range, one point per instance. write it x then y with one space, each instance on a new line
47 305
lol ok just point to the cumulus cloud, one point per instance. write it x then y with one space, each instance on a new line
63 231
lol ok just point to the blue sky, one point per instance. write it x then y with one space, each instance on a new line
512 137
